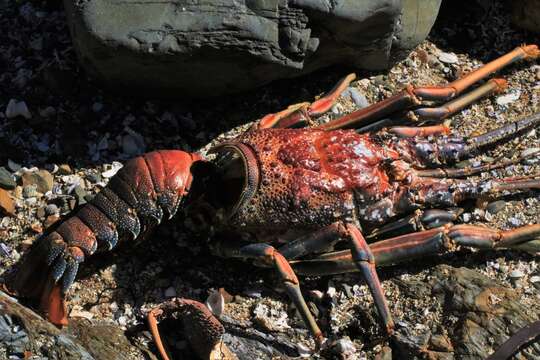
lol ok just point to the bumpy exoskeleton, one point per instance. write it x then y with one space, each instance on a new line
297 193
146 190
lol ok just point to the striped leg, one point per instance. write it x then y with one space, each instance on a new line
425 243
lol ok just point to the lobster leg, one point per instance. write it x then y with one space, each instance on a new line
364 260
424 243
493 86
203 331
431 192
302 113
433 152
411 97
270 256
419 220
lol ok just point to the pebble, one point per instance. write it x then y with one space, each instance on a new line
6 179
169 292
516 274
495 206
337 109
93 177
17 108
535 280
357 97
64 169
7 206
216 303
133 143
530 151
13 166
122 320
506 99
253 293
41 178
466 217
378 80
29 191
80 194
448 58
49 111
4 249
303 351
51 209
345 347
514 221
114 167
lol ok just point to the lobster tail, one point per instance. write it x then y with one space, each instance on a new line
135 200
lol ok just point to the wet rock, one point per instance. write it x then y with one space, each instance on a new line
479 315
12 335
81 340
6 179
42 179
221 46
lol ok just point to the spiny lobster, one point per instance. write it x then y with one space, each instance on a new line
318 185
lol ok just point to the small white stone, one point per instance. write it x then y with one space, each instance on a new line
113 170
170 292
448 58
17 108
345 347
506 99
303 351
516 274
122 320
113 307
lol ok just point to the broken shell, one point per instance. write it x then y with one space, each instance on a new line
216 303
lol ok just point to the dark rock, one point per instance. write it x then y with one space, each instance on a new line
478 314
22 330
213 47
6 179
42 179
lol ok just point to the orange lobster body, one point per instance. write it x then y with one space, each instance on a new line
309 178
324 183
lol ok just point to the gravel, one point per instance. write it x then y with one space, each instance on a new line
85 133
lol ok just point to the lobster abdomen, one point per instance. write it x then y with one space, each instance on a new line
135 200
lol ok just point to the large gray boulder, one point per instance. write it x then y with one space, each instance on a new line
209 47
